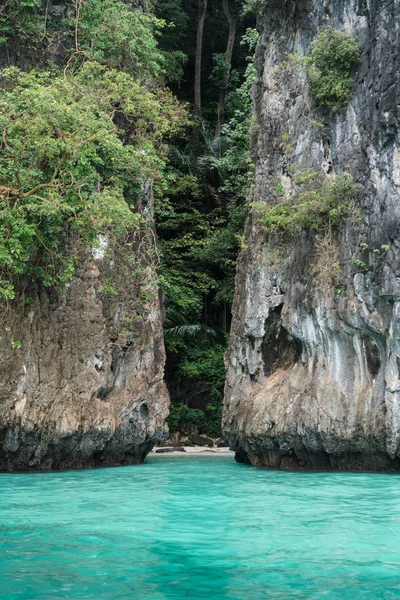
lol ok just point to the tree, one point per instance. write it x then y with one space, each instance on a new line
76 146
202 10
228 63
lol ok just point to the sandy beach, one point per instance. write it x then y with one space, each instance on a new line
193 451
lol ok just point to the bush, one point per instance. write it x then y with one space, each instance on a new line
180 414
22 21
208 421
319 204
332 56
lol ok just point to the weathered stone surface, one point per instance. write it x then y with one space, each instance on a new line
200 440
221 443
170 449
313 362
86 386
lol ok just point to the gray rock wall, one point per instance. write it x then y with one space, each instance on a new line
313 362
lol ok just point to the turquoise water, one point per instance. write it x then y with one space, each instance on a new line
199 527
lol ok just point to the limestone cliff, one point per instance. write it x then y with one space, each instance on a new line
313 362
81 374
81 370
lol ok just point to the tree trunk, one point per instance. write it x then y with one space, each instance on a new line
228 54
199 52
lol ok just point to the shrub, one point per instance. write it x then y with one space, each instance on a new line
113 34
208 421
328 65
319 203
22 21
180 414
332 56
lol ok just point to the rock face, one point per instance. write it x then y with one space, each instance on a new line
313 363
81 375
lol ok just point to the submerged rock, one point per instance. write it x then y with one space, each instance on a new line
314 356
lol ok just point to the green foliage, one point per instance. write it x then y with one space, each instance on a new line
181 414
199 374
207 421
205 364
221 70
173 13
108 288
185 330
74 153
319 203
361 264
182 295
328 63
111 33
280 190
200 214
331 58
22 21
250 6
213 414
173 65
172 40
234 163
200 219
76 149
106 31
373 255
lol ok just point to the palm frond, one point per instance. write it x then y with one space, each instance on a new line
182 331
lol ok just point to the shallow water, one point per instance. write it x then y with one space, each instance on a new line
199 527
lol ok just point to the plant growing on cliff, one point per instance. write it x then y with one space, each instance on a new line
319 203
330 60
23 21
111 33
75 151
328 65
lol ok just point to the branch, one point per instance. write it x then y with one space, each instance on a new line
39 187
70 59
4 7
6 191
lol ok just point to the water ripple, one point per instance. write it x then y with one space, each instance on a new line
201 528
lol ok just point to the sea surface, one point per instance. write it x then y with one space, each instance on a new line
201 528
